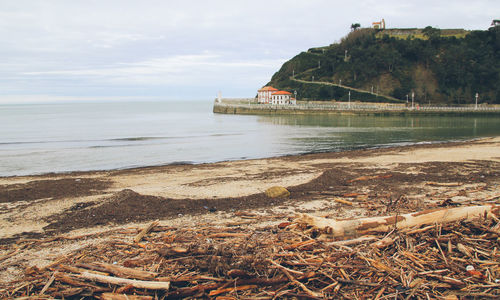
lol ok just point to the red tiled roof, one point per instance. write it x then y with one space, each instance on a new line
268 88
281 93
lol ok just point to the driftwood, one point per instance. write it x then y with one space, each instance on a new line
444 183
115 296
383 224
127 272
386 241
339 200
68 292
189 291
232 289
285 268
75 282
47 285
456 258
145 231
177 279
359 240
141 284
300 284
228 235
369 177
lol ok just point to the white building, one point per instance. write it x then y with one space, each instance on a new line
270 95
264 94
281 97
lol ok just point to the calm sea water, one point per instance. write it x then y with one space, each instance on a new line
41 138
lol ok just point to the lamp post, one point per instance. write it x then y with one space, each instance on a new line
477 96
349 100
412 100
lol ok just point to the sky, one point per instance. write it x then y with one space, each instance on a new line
61 50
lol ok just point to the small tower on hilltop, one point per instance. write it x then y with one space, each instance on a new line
379 25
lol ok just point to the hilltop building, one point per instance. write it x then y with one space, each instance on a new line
495 23
379 25
270 95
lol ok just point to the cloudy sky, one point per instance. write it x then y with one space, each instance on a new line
144 49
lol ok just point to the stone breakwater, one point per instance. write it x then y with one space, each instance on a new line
251 107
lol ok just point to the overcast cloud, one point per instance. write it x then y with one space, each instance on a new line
119 49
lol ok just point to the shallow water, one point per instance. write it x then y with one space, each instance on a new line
41 138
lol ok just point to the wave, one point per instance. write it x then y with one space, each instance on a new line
112 146
181 163
125 139
139 138
31 142
48 142
226 134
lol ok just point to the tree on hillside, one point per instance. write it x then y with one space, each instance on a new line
355 26
431 33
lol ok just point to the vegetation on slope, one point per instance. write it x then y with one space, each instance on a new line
437 69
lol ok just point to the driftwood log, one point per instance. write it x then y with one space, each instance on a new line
356 227
115 296
145 231
150 285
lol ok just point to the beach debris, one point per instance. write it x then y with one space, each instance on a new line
115 296
277 192
351 195
358 227
455 258
145 231
382 243
446 184
245 215
340 200
370 177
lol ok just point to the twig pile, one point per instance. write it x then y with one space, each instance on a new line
456 260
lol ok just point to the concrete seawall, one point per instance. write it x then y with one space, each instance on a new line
230 107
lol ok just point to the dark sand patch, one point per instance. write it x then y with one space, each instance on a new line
55 189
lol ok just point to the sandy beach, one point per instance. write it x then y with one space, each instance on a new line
59 203
372 182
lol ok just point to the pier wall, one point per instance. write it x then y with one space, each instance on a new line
244 107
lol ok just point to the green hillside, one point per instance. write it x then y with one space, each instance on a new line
382 67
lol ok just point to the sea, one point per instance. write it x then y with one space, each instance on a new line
83 136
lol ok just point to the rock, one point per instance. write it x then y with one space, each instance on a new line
277 191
